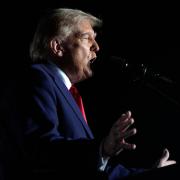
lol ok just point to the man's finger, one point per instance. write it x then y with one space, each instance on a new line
128 133
165 155
170 162
128 146
123 117
126 125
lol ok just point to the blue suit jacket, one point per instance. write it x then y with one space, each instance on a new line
57 137
55 114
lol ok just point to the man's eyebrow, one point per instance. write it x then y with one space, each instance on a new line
87 33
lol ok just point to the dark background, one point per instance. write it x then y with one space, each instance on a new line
141 32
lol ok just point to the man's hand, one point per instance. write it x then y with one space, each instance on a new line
163 161
115 142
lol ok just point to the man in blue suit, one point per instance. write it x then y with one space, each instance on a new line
57 139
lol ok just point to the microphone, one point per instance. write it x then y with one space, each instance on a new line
139 71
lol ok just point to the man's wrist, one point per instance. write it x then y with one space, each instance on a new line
103 158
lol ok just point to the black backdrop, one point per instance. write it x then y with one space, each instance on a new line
142 32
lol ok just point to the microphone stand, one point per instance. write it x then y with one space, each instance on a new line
150 78
141 73
163 94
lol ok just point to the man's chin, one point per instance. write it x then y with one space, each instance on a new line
88 75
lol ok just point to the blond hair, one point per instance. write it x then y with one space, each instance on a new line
61 22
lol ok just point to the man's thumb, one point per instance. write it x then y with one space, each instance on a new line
165 155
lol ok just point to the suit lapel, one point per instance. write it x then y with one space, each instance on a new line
52 70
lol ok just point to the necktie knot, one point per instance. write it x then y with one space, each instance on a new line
75 93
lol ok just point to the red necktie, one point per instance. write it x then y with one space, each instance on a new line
78 100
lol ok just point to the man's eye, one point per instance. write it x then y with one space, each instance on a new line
85 37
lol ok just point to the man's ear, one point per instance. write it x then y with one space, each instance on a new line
56 47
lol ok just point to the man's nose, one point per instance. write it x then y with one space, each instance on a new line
95 46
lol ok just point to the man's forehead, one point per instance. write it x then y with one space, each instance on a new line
85 28
85 25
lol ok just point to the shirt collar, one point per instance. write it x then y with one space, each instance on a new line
63 76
